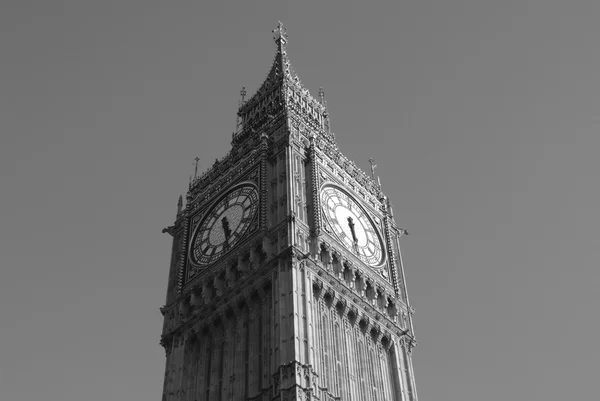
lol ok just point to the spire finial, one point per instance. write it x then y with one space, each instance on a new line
196 168
373 167
179 205
240 104
321 95
280 34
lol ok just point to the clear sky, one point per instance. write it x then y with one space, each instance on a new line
483 116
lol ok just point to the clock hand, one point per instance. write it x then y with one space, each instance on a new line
351 225
226 228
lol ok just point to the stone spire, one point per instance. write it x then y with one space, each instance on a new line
281 91
280 69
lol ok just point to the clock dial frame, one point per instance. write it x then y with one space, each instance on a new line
352 225
224 224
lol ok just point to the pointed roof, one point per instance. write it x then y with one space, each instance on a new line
281 71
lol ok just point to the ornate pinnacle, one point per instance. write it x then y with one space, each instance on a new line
280 34
373 167
179 205
237 119
197 159
321 95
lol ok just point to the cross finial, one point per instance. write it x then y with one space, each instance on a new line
280 34
196 168
243 93
373 167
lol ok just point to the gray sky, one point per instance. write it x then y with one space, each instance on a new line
481 114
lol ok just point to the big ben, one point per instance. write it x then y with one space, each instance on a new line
286 280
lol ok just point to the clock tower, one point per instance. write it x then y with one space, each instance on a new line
286 280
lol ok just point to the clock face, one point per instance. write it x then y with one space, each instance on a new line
224 224
351 225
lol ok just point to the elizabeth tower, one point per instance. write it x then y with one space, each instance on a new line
286 280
